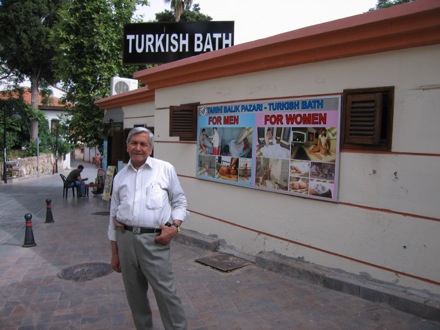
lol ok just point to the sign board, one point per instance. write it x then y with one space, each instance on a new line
288 146
108 183
149 43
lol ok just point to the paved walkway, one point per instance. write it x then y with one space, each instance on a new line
32 296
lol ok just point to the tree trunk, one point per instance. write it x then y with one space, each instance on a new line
34 104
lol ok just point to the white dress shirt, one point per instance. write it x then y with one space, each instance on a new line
147 197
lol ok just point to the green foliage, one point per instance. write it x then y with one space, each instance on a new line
89 37
9 122
24 36
18 117
187 15
25 49
381 4
179 6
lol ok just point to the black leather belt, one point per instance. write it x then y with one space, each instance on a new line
142 230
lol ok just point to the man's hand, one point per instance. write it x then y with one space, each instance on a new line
167 235
116 266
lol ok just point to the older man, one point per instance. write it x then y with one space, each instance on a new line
147 208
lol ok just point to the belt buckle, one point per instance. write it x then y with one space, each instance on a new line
136 230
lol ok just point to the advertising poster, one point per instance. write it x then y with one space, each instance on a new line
108 183
288 146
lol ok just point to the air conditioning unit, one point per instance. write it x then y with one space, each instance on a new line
121 85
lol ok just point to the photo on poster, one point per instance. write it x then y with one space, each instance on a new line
321 188
299 168
299 185
323 171
271 143
227 168
206 166
318 144
226 141
244 170
272 173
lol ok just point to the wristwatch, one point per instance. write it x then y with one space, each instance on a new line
177 226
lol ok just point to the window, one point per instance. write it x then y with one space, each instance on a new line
367 118
183 122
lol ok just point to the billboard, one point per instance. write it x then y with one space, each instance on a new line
150 43
288 146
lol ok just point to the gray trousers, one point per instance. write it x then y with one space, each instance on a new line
143 263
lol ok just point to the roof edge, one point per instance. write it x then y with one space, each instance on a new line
399 27
140 95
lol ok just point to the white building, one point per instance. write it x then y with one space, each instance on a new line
385 222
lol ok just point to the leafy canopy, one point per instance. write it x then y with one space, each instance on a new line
381 4
25 49
89 38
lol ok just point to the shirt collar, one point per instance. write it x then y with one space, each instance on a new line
148 163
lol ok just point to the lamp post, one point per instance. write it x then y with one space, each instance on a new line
15 116
5 179
56 149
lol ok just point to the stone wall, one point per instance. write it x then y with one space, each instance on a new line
27 167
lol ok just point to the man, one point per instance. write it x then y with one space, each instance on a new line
75 176
215 142
147 208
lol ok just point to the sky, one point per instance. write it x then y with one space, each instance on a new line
257 19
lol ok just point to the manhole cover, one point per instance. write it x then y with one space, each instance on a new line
223 262
85 272
102 213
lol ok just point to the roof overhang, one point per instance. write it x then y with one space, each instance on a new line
399 27
140 95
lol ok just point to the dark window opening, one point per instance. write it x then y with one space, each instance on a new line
183 122
367 118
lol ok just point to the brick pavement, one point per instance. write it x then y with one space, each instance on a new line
32 296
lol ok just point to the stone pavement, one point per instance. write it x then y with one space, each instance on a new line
32 296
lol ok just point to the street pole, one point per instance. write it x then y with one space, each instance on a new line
56 150
5 177
37 140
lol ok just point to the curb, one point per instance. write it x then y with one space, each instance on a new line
418 303
193 238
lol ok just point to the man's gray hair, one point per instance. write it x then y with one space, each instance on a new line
138 130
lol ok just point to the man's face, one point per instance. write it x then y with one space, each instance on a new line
139 149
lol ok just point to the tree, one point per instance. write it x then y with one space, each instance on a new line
89 36
188 15
179 6
381 4
18 117
25 49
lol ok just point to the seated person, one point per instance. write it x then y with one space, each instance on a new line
75 177
323 146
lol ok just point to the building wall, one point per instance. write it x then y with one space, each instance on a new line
139 114
386 224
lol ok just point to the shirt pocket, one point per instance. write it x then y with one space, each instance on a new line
156 197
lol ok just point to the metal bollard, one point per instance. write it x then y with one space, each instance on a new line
29 235
49 216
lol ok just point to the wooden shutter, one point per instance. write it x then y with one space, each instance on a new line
363 118
183 122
